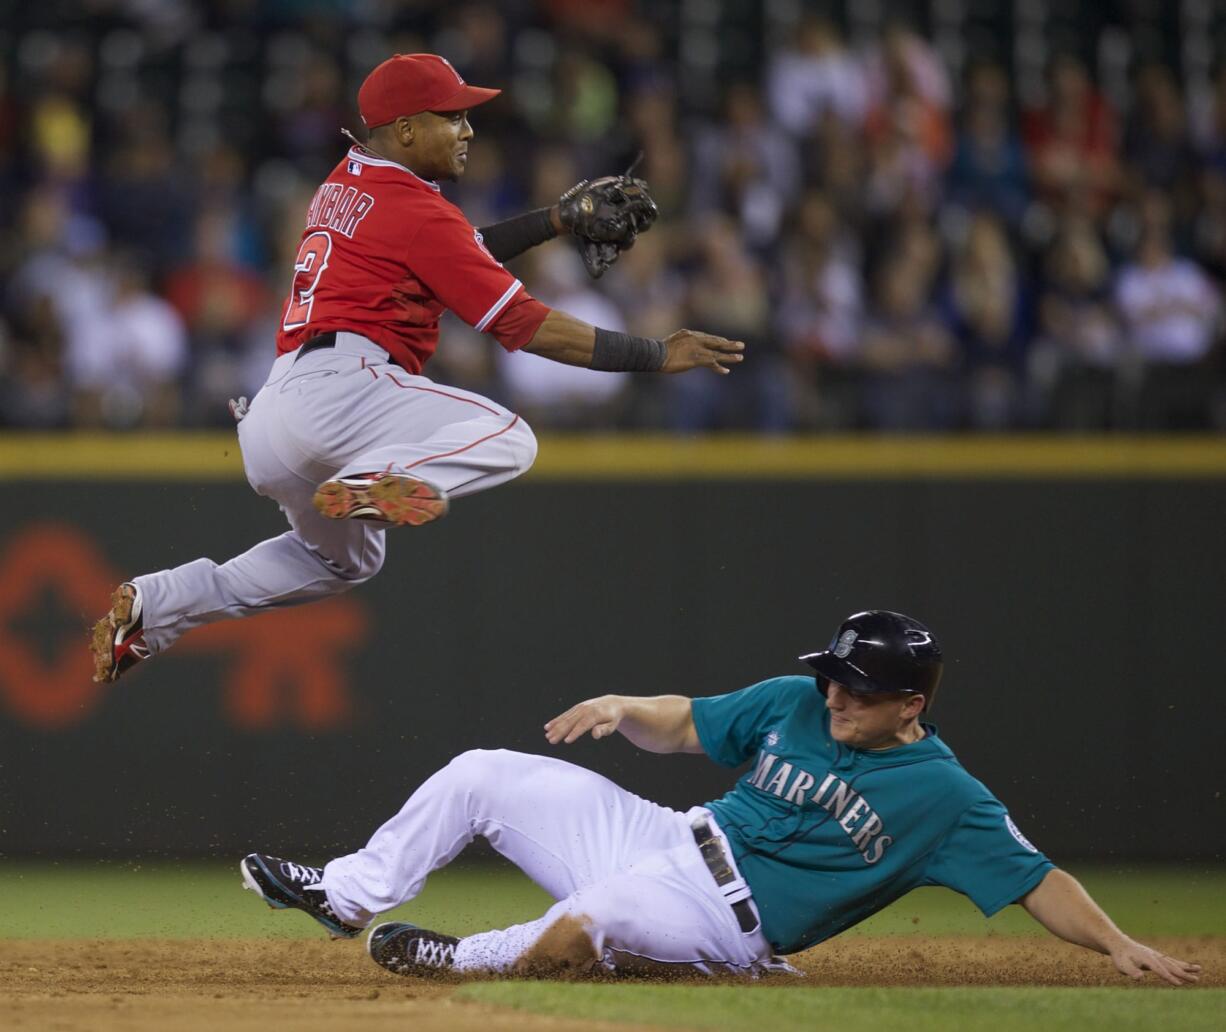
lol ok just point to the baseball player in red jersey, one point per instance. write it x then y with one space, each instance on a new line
346 435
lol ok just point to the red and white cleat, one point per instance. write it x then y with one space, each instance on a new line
118 642
392 498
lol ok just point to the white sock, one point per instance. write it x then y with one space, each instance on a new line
500 949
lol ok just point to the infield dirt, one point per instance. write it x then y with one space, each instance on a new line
250 985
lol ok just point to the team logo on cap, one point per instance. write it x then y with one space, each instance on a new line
458 79
843 647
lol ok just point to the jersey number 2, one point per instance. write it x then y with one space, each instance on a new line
308 267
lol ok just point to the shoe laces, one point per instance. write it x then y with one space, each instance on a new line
301 873
434 952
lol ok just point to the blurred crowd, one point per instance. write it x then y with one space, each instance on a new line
905 242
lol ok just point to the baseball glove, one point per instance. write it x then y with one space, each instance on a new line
606 215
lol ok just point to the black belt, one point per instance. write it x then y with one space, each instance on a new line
721 870
324 340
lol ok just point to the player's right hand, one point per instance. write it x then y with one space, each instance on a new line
1133 959
599 716
689 349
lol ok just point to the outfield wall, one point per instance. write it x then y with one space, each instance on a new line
1076 587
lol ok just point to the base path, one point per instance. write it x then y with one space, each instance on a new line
200 985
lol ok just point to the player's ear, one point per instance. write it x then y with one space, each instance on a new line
404 130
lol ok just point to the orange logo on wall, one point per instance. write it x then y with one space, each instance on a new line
286 663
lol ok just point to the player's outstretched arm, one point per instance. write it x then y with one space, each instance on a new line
1061 905
512 237
662 724
571 341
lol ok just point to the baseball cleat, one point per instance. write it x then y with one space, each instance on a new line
118 642
285 885
391 498
405 949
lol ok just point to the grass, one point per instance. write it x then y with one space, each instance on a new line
731 1009
191 900
204 900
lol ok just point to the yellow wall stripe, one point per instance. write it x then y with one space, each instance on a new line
215 456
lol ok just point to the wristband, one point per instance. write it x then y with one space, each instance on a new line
620 353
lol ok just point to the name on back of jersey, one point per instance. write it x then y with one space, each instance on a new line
338 207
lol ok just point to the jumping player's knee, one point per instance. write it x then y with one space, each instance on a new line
371 561
567 945
362 564
523 442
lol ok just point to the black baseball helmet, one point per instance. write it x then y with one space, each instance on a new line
880 651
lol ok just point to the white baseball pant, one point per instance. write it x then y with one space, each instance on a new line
628 870
335 412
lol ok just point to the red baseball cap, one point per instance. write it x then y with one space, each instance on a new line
407 84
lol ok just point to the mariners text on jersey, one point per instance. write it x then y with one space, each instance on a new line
849 808
826 834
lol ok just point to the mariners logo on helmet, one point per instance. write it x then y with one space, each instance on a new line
846 640
880 651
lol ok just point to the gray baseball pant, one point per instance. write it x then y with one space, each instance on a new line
335 412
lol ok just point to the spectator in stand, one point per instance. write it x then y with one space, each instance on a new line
218 299
476 34
649 289
59 292
1171 313
989 166
550 394
220 183
815 79
585 99
840 170
144 201
904 56
907 358
125 369
987 309
1073 362
307 126
1157 143
908 132
60 120
9 121
1209 228
1208 125
746 167
728 293
1071 142
821 312
33 387
651 116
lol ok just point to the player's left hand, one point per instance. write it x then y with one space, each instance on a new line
1133 959
607 215
599 716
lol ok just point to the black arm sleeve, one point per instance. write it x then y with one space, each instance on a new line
505 240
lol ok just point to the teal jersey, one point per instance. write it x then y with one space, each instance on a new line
827 835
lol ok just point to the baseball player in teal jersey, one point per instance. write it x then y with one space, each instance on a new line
849 801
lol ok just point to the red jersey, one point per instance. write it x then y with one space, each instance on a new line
384 254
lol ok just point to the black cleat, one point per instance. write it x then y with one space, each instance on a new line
405 949
285 885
